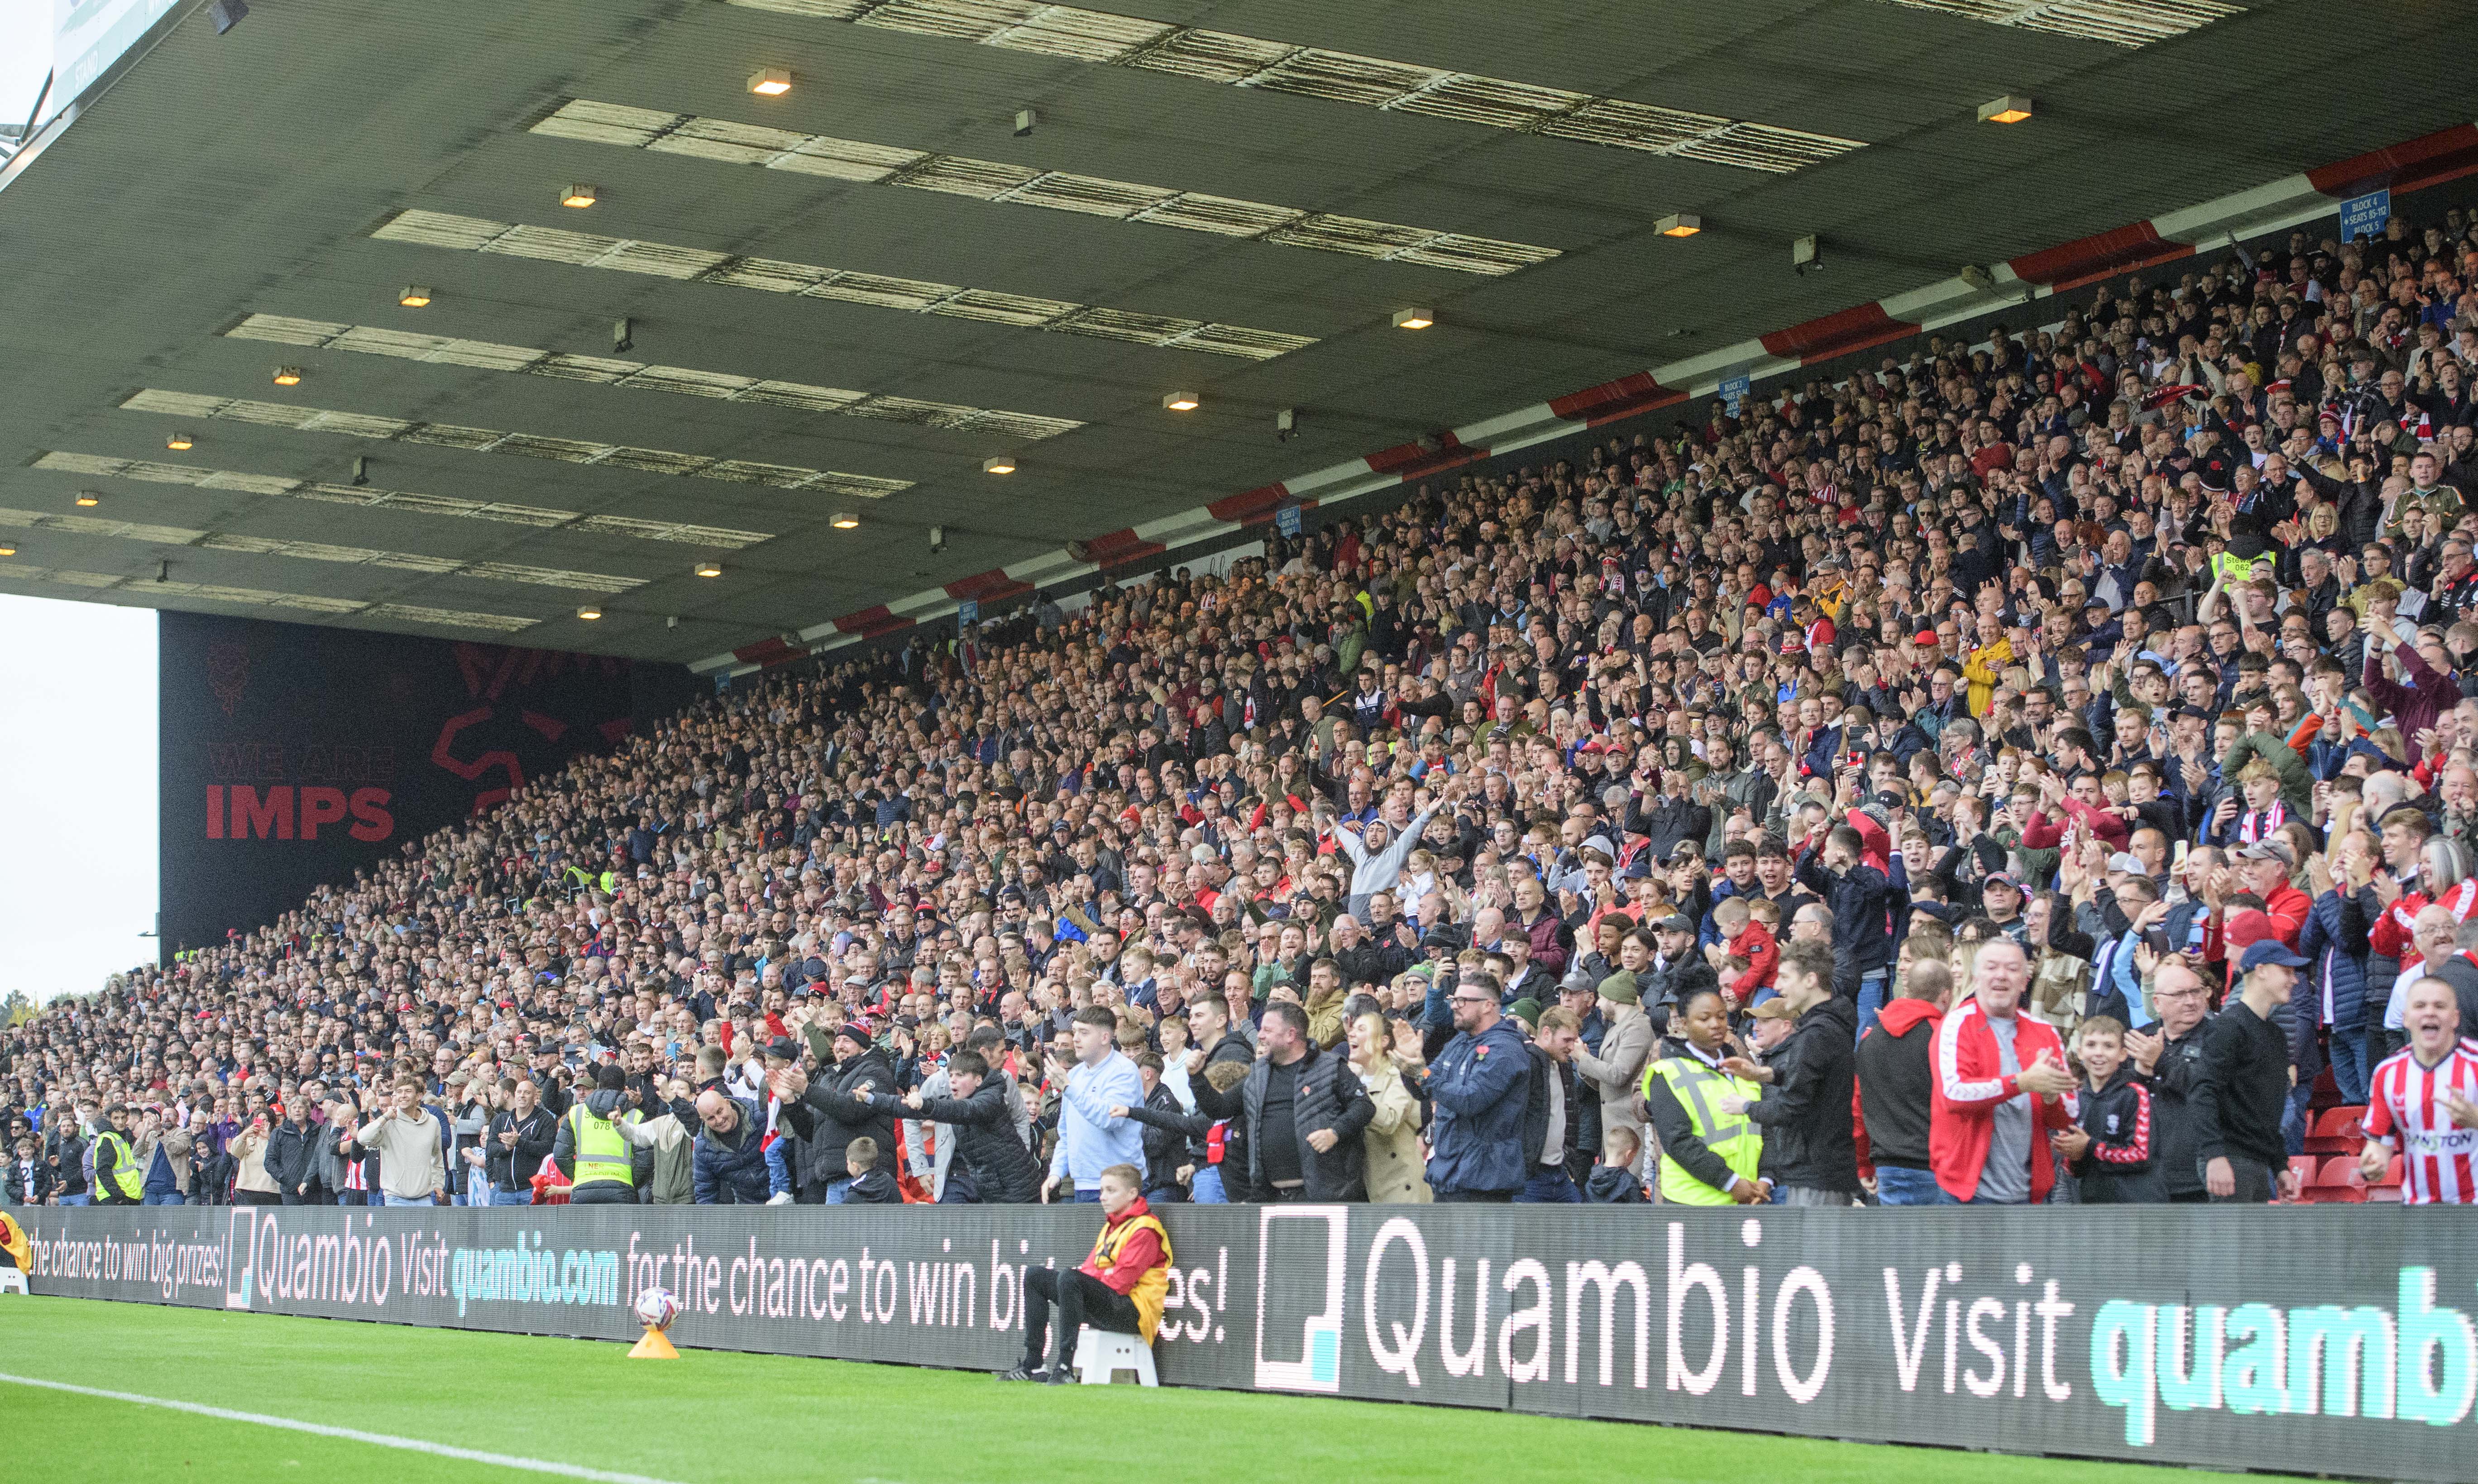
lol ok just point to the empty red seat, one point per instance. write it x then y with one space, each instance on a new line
2337 1131
2337 1181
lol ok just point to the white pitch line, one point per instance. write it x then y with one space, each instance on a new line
322 1429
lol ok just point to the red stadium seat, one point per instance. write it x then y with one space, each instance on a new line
2336 1182
2337 1131
2388 1188
2304 1167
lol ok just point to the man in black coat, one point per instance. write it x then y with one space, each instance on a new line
2170 1054
835 1109
1810 1147
1002 1169
1305 1109
292 1157
1675 973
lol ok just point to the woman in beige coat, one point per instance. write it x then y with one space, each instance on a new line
1397 1172
1616 1074
252 1185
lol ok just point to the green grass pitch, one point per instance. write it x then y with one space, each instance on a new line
724 1416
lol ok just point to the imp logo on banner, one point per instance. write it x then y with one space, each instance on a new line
1319 1368
228 671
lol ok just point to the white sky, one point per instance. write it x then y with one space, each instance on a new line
78 749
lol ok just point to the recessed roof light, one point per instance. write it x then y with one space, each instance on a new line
1182 401
179 442
1003 464
1681 224
845 521
590 612
288 376
2007 110
7 550
709 569
771 82
1414 318
580 196
89 497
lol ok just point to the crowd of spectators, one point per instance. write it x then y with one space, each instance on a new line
2024 772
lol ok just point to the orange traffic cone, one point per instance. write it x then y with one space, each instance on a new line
656 1346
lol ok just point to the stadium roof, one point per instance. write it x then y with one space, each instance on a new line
845 299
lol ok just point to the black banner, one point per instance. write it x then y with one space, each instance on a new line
2222 1336
291 754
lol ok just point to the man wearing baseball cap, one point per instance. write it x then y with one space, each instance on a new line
2243 1082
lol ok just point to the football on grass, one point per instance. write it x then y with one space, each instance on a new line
656 1308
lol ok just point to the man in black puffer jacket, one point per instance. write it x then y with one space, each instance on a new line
1305 1111
832 1111
1002 1168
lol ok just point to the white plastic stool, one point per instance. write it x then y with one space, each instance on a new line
1100 1354
14 1278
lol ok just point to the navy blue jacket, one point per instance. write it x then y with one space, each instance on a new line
728 1174
2332 942
1480 1085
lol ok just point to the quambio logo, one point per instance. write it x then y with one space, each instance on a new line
1294 1230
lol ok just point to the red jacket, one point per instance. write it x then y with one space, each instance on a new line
1970 1085
2288 908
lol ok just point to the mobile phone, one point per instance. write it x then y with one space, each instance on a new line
2177 863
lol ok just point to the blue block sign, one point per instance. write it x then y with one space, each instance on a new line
969 611
1287 521
2366 216
1734 392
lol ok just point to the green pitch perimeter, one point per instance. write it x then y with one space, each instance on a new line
750 1419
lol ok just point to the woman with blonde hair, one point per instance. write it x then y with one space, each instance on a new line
1397 1173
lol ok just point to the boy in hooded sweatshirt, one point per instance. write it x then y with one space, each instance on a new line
1613 1181
2111 1149
870 1186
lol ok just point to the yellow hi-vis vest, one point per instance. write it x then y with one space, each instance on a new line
126 1176
602 1152
1735 1140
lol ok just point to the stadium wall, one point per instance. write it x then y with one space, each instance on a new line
292 755
2218 1337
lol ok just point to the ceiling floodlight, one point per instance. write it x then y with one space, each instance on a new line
1681 224
89 497
845 521
590 612
288 376
414 297
2007 110
1414 318
1182 401
1003 464
580 196
180 442
769 81
709 569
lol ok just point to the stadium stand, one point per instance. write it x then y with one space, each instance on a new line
2143 643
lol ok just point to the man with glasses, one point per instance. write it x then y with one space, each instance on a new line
1481 1084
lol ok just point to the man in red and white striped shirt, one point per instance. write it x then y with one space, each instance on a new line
2424 1100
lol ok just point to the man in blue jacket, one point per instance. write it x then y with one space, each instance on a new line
728 1166
1480 1083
